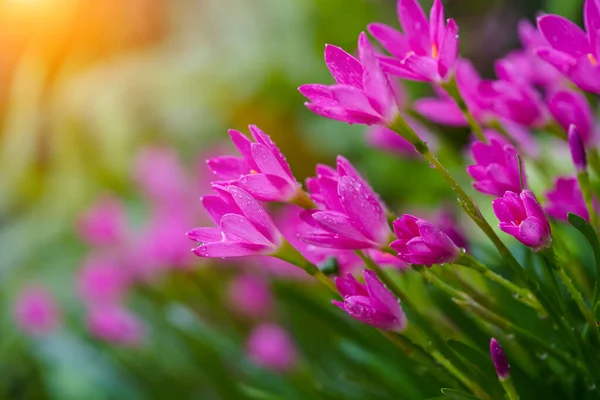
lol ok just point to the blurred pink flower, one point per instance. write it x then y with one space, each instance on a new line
115 324
496 168
35 311
250 296
102 280
564 198
104 223
271 347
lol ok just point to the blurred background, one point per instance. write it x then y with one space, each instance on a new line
107 111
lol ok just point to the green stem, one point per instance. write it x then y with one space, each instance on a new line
452 89
594 160
509 388
523 295
584 183
303 200
288 253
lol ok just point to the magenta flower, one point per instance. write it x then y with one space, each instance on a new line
244 227
564 198
36 312
250 296
104 223
522 216
499 359
426 51
351 215
571 50
420 242
102 281
514 101
362 95
271 347
262 170
569 107
371 303
496 169
115 324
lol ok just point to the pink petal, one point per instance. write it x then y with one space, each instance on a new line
415 25
392 40
532 207
444 112
228 249
349 286
345 69
591 18
533 232
425 67
337 223
216 207
382 297
344 115
448 52
265 139
564 35
559 60
205 235
330 240
363 208
265 187
396 67
375 83
237 228
255 213
318 94
266 161
352 98
228 167
436 21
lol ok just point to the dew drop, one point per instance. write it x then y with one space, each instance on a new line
542 356
431 165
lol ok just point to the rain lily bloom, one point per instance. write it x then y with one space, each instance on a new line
514 101
577 149
271 347
35 311
262 170
115 324
250 296
499 359
104 223
371 303
571 50
564 198
420 242
362 95
496 169
522 216
351 215
428 48
569 107
102 281
244 227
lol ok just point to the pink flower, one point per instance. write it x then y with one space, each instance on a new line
522 216
372 303
362 95
104 223
250 296
244 227
270 346
101 281
115 324
36 312
427 50
571 50
420 242
496 169
569 107
564 198
262 170
514 101
577 149
351 215
445 111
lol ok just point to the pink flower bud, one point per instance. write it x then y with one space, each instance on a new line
250 296
522 216
499 359
497 168
115 324
577 149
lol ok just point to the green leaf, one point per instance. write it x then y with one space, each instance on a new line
458 395
590 234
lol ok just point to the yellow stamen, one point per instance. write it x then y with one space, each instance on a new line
253 172
592 59
435 52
